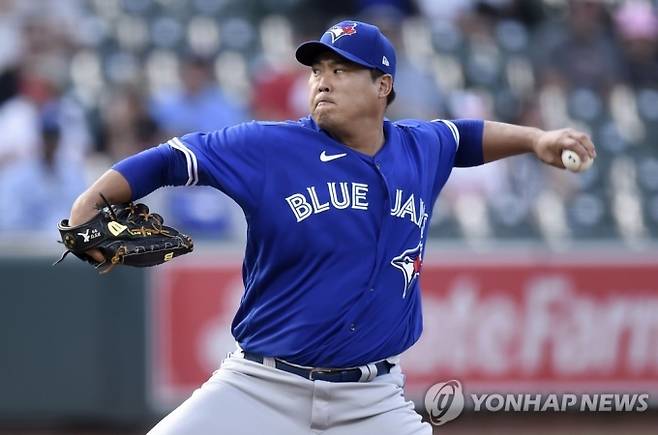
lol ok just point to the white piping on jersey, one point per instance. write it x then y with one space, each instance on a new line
192 167
453 128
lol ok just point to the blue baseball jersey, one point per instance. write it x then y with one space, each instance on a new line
335 239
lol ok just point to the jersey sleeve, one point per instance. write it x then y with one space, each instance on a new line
448 142
231 160
464 138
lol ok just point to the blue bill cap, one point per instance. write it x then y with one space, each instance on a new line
361 43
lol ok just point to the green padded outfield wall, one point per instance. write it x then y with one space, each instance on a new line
72 344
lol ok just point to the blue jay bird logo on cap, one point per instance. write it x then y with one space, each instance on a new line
340 30
409 262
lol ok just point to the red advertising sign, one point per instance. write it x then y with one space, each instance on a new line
498 324
539 327
192 305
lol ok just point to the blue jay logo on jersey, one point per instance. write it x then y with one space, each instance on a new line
340 30
409 262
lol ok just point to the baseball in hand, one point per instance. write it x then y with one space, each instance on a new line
572 161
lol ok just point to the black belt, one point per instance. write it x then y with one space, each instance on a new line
329 375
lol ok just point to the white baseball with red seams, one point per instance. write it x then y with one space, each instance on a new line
573 162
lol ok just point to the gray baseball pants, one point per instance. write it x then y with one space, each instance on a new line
248 398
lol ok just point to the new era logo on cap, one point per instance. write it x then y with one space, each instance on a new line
356 41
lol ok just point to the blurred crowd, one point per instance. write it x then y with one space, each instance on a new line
84 83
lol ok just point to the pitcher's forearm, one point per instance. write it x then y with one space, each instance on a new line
111 184
502 140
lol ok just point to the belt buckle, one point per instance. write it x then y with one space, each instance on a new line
317 370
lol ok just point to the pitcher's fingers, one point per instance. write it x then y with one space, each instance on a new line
574 142
586 142
96 255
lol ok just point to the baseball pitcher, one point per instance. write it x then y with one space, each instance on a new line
337 205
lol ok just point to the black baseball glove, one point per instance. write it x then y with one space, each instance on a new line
125 234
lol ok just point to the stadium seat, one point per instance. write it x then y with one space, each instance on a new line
585 104
166 32
446 36
512 36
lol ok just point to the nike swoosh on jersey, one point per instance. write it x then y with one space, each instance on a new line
327 158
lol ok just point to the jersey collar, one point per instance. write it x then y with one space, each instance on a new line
309 122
